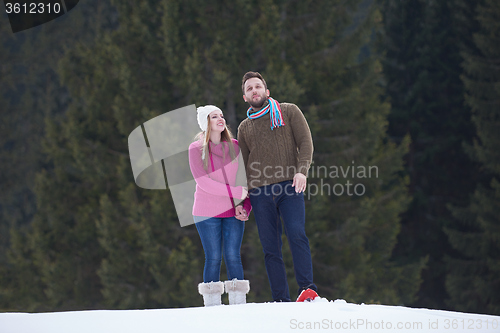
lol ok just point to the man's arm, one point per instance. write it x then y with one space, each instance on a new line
241 176
303 139
243 145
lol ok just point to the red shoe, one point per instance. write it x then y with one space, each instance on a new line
307 295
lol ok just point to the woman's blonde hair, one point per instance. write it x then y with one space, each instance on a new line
225 136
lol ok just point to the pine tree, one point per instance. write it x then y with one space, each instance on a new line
208 49
32 91
100 241
22 112
356 219
97 237
422 66
473 281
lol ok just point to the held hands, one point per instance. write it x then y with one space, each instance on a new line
241 213
299 182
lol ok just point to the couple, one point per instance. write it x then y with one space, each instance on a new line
276 145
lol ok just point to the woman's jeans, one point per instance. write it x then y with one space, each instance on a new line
218 235
270 203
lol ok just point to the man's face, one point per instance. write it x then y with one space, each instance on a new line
255 92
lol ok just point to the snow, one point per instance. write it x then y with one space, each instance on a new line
319 315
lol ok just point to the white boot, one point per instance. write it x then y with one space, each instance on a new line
237 291
211 292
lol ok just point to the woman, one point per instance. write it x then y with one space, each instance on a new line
220 207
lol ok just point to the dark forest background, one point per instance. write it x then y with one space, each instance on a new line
411 87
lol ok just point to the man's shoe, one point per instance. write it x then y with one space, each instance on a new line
307 295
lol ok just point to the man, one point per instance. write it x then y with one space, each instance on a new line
277 149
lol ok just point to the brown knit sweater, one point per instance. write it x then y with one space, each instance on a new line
273 156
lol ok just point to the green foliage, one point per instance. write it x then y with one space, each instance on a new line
422 42
99 241
353 236
208 49
473 280
30 90
110 225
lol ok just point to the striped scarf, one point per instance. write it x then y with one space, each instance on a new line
276 116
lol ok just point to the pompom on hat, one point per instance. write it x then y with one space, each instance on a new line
203 112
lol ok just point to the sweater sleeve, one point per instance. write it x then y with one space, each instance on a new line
247 205
243 145
203 180
302 137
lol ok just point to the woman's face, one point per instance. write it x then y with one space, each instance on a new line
216 122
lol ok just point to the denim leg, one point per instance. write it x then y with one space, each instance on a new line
210 231
292 208
269 226
232 230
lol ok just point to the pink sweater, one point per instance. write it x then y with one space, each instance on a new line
211 197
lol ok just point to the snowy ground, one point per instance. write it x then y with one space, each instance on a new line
320 315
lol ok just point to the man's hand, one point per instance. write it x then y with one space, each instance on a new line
299 182
241 213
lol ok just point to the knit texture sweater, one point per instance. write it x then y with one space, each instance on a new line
211 197
273 156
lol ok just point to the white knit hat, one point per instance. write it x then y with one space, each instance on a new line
203 112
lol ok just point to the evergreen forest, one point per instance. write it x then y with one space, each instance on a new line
402 99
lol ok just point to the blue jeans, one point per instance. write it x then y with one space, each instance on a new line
270 203
218 235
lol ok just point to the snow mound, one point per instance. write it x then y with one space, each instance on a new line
318 315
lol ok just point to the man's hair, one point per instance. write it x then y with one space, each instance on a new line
250 75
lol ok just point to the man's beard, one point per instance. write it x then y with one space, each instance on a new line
258 103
